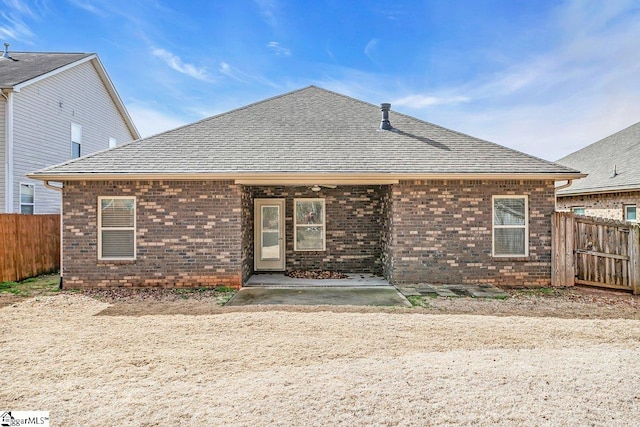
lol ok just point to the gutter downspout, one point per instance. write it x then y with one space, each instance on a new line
561 187
58 189
8 152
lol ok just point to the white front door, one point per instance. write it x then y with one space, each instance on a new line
269 237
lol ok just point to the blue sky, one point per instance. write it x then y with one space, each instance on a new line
543 77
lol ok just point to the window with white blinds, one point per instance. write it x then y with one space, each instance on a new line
510 226
117 228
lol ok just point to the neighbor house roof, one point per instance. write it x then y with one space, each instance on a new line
311 135
25 68
611 164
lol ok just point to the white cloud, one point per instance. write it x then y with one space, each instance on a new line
370 48
150 122
13 27
421 101
176 63
12 23
279 50
268 9
229 71
18 6
88 7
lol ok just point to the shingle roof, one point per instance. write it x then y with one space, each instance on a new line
310 130
24 66
620 151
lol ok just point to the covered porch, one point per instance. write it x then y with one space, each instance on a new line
329 227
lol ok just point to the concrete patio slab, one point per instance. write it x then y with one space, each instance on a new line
387 296
280 280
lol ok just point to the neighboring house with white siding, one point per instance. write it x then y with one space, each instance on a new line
54 107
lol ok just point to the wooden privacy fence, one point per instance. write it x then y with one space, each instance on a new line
596 252
29 245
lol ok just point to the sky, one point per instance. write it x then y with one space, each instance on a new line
543 77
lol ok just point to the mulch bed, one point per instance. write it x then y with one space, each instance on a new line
311 274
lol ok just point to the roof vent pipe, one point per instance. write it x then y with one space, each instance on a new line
385 124
6 51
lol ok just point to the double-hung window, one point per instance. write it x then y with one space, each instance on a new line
630 213
117 228
578 210
76 141
27 198
510 226
309 225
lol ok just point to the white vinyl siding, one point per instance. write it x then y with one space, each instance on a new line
116 228
42 126
3 104
510 226
309 225
27 198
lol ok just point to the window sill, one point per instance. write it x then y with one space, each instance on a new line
516 258
116 261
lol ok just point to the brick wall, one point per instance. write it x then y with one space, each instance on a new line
609 206
200 233
386 233
353 228
247 233
441 232
188 235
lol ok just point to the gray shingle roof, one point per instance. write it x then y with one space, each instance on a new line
25 66
310 130
620 151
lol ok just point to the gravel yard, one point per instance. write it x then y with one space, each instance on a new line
157 358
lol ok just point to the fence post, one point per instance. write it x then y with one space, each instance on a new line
634 259
562 263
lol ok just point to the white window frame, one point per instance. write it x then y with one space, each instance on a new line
32 204
100 228
76 138
113 142
575 208
525 226
296 225
626 207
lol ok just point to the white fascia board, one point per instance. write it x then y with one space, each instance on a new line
19 86
292 179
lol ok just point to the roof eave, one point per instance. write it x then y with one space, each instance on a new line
17 87
588 191
281 178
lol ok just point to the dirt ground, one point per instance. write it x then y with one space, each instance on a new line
575 302
153 359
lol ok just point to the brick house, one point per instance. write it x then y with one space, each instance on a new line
612 188
307 180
